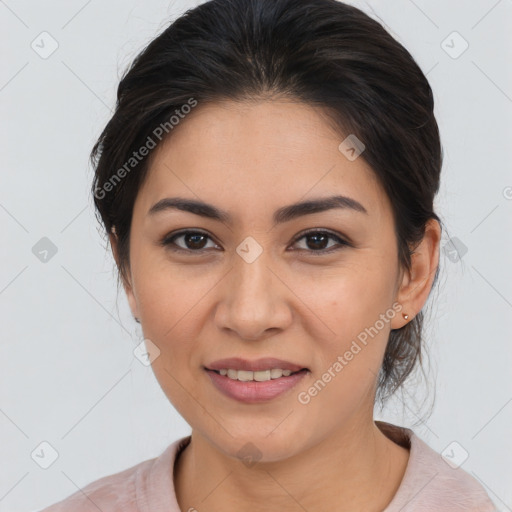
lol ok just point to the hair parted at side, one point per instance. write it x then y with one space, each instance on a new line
323 53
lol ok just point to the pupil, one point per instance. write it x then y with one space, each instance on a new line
319 236
189 237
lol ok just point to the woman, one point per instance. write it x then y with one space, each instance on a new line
267 184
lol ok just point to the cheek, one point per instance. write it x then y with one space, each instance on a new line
168 302
356 306
171 308
349 360
165 292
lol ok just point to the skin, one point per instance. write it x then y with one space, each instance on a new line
251 159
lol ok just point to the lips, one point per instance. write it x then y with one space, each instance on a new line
258 390
265 363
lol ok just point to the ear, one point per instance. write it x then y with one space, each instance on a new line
128 288
417 283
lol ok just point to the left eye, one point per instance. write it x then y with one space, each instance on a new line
320 238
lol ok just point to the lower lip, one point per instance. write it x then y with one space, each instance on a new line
254 392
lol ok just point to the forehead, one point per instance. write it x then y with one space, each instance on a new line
257 155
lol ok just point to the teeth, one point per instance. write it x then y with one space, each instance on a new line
259 376
277 372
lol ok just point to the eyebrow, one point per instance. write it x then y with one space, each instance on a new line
283 214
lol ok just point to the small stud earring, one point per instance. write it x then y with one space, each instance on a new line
406 317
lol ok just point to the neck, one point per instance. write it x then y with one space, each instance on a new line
355 468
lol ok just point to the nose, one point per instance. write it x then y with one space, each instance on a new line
254 301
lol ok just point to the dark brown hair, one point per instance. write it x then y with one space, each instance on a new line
320 52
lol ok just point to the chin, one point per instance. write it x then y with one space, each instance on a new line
261 446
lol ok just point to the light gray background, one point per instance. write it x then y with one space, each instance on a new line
67 370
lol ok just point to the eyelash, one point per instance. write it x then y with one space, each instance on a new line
168 242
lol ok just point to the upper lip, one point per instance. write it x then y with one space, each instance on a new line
264 363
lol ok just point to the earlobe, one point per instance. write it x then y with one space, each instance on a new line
416 284
132 302
406 314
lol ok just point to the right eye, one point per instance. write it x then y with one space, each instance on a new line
194 241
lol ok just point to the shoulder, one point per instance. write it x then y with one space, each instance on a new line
125 491
447 485
110 493
432 482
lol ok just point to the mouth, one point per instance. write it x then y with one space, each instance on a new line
255 376
254 381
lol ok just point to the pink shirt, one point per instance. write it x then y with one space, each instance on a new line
429 484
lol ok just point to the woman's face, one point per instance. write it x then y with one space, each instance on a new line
250 286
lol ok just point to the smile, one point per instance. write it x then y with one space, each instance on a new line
254 387
259 376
